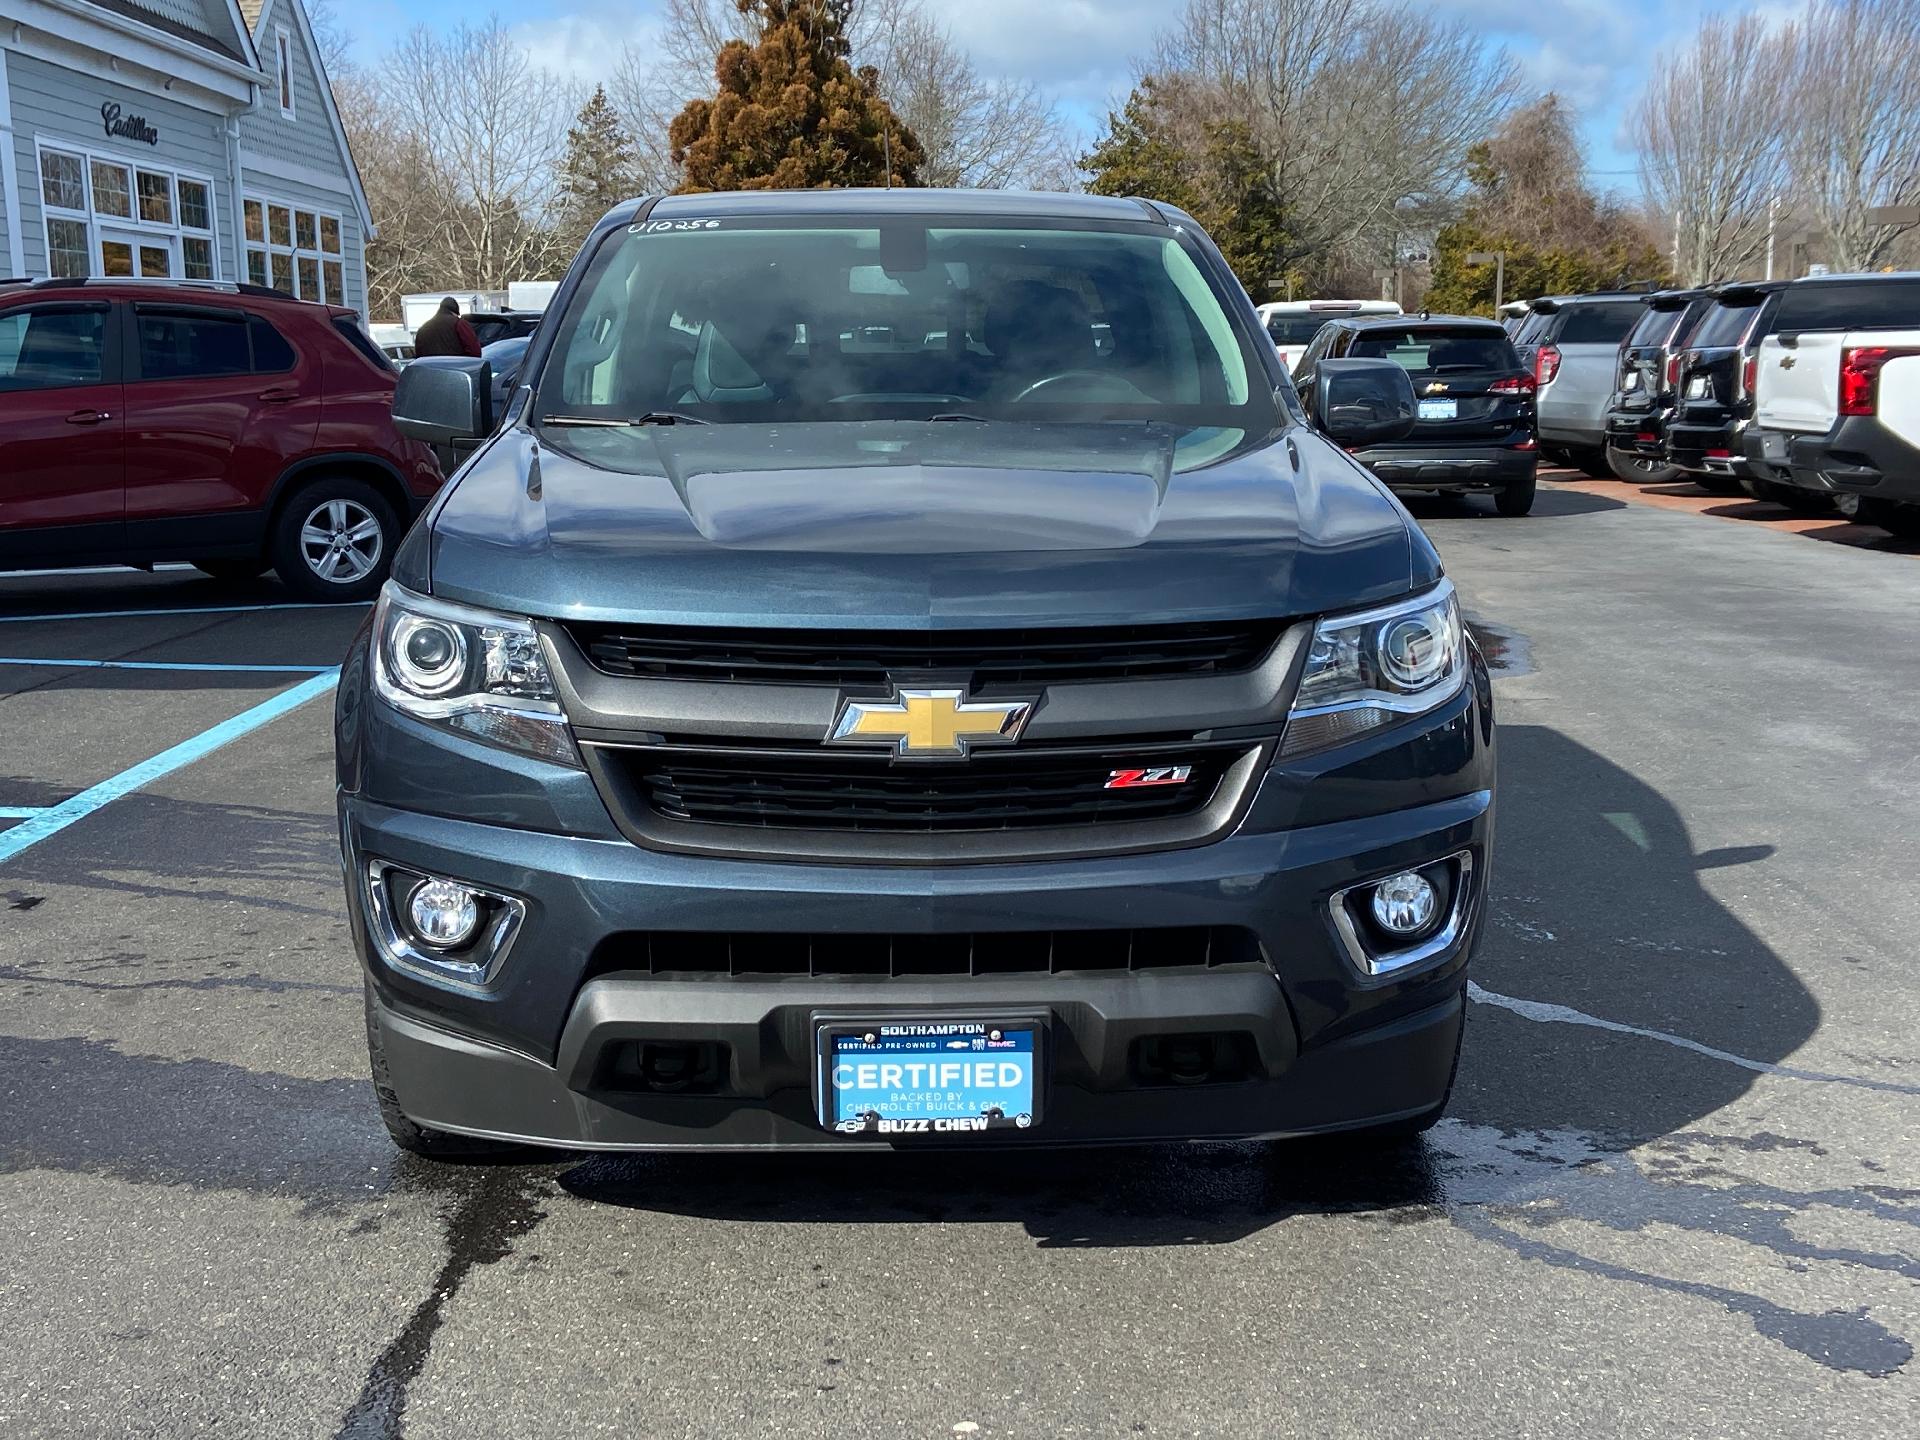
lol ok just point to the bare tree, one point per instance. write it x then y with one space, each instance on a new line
491 126
1712 143
1362 110
976 132
1856 122
335 40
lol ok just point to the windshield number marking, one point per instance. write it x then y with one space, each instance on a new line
655 227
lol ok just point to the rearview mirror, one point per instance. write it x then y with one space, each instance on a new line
1361 402
444 400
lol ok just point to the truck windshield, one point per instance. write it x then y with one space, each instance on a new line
734 319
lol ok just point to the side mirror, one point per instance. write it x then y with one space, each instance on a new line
1362 402
444 400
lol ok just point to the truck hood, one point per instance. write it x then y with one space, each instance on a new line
892 525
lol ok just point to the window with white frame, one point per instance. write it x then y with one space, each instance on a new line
283 52
107 215
294 249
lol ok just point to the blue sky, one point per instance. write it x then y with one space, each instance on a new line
1591 51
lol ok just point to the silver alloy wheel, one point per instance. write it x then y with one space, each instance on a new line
341 541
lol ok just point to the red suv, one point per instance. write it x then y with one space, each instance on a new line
229 426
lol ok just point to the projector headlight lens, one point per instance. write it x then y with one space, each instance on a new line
1367 670
475 671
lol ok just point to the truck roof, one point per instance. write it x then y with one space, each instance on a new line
905 201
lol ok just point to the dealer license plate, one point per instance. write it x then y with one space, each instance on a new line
1439 409
928 1077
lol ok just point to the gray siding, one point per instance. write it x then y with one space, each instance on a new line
334 202
307 139
55 104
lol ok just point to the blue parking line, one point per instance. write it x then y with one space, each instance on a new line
191 610
167 665
56 818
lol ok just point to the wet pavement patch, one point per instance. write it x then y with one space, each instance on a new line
496 1208
1506 652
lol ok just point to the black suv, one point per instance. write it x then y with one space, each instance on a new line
1474 425
492 325
902 672
1713 401
1647 382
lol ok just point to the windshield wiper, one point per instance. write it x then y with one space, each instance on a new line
959 415
652 417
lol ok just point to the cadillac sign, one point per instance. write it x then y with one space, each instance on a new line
127 127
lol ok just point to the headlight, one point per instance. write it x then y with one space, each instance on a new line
1367 670
474 671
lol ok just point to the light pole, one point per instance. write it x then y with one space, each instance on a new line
1497 259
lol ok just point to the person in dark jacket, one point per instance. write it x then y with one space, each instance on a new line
447 333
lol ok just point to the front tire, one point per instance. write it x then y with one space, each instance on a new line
416 1139
1639 470
1515 498
1801 502
333 540
1592 462
1714 484
1888 515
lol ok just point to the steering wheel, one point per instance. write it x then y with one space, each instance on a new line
1115 387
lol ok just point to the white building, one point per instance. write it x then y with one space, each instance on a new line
195 139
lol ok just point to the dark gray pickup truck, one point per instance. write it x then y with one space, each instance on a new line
902 671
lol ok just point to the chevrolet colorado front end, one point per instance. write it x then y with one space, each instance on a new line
902 671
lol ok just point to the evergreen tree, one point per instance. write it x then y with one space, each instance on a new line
791 112
600 169
1169 144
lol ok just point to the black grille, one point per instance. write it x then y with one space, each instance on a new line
829 790
1021 952
866 658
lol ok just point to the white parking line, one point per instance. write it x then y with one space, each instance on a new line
55 818
166 665
1545 1012
190 610
96 570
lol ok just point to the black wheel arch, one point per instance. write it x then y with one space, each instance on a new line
375 470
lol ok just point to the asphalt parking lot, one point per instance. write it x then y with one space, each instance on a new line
1678 1192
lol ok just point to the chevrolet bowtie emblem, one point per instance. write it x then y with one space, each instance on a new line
930 724
1438 387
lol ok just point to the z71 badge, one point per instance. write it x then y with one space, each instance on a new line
1153 775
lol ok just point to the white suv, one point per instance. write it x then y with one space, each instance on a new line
1292 324
1837 396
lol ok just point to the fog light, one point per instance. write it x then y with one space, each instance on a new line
445 915
1403 904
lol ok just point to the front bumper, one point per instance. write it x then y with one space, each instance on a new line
1449 467
533 1054
1858 456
